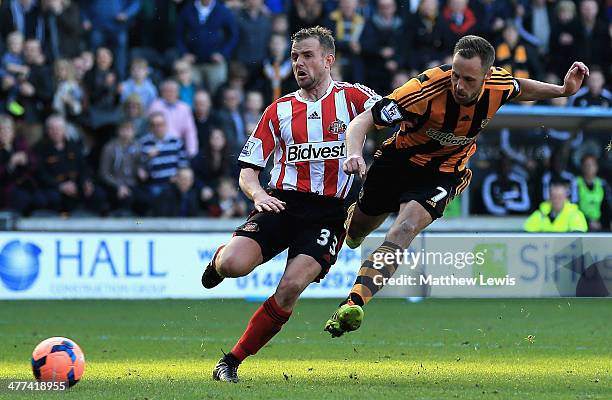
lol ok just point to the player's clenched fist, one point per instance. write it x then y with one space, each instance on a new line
355 164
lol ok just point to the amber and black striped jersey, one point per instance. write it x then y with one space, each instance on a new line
435 131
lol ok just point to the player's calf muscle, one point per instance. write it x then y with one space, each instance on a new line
362 225
300 272
360 228
290 287
357 230
288 292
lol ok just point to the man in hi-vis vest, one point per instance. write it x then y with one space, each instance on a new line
558 214
593 195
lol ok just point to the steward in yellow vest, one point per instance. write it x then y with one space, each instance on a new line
557 215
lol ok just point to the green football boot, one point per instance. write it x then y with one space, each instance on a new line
347 318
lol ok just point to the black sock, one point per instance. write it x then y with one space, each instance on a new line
231 359
355 298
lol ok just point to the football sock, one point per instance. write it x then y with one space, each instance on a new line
364 287
264 324
211 277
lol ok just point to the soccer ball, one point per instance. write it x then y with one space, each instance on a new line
58 359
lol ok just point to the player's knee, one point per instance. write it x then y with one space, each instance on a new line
231 265
404 231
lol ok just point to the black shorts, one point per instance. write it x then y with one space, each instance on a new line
393 180
311 224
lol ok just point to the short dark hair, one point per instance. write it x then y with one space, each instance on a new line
559 182
471 46
126 123
323 35
596 68
587 156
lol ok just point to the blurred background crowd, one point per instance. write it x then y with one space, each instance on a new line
140 107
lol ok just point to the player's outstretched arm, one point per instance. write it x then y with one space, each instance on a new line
355 139
249 183
536 90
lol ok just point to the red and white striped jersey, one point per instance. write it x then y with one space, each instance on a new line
307 139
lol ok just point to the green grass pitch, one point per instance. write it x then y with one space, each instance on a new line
437 349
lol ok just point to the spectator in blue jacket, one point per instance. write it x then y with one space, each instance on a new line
107 24
207 33
255 27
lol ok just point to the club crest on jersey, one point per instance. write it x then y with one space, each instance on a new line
338 127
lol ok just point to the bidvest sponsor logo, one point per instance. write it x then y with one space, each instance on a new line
319 151
447 138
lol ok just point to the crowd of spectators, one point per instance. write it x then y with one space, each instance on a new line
126 107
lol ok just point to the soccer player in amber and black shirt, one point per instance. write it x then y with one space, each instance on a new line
303 211
422 167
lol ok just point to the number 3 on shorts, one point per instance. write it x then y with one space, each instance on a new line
324 239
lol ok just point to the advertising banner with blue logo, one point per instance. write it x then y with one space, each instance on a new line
169 265
138 266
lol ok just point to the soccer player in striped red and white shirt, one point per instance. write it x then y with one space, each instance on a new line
303 210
